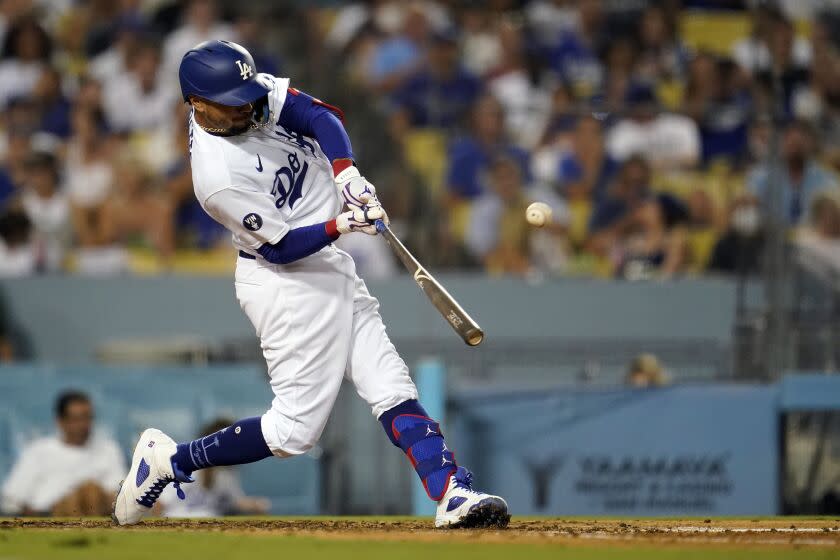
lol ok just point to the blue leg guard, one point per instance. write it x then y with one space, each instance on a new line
410 428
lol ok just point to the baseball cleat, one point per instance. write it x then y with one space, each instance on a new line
464 507
151 471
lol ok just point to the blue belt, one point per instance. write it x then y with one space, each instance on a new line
245 255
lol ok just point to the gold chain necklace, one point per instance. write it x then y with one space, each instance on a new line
209 129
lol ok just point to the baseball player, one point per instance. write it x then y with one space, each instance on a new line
275 166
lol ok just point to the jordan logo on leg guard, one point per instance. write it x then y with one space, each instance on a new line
410 428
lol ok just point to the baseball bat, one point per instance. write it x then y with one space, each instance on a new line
446 305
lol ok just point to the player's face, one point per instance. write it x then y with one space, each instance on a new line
233 120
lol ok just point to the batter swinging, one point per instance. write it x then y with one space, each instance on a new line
275 166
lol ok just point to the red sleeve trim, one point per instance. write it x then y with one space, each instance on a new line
332 229
340 165
338 112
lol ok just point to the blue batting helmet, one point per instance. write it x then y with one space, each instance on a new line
221 72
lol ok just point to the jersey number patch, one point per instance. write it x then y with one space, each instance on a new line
288 182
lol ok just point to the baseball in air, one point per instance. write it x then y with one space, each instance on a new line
538 214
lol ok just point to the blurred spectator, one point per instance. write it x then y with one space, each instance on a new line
8 188
801 177
52 105
561 116
573 53
548 19
89 97
719 100
401 52
143 99
26 50
136 211
821 235
101 22
70 31
576 163
481 42
754 53
113 63
439 94
216 491
786 67
621 62
498 234
668 141
17 255
73 473
819 102
645 372
88 171
17 148
739 250
470 156
200 23
825 216
88 182
662 56
517 87
47 209
22 117
636 230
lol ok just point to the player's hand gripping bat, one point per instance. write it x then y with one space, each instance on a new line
446 305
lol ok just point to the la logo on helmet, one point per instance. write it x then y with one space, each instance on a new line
244 70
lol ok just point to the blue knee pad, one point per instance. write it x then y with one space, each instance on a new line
410 428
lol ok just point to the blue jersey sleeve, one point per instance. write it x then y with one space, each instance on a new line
312 117
299 243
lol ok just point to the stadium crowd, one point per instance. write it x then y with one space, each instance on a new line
645 124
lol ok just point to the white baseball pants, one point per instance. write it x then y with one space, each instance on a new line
317 324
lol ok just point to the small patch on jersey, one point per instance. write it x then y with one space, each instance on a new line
252 221
259 164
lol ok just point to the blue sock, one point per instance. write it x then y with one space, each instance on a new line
237 444
410 428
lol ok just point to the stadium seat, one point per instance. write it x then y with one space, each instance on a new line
425 151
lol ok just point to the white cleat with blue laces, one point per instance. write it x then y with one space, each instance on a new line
462 506
151 471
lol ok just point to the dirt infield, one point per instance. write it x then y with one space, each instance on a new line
795 532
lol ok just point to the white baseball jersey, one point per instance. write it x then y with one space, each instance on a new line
263 182
316 321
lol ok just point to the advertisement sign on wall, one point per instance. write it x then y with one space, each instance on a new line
675 451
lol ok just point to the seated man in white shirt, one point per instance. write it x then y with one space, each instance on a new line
69 474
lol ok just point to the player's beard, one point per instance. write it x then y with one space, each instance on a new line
239 129
228 128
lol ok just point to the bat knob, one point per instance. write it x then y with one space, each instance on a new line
475 337
380 226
